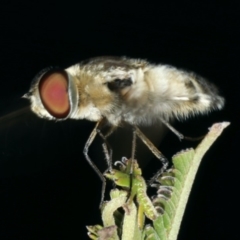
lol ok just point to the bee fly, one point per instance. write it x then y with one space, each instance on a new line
121 90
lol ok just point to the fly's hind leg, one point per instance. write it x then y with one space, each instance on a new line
178 134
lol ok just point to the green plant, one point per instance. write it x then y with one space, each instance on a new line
124 215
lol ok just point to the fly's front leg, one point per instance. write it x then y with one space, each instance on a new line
155 151
85 152
107 147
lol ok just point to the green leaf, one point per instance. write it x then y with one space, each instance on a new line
185 166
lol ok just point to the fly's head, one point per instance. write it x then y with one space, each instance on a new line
53 94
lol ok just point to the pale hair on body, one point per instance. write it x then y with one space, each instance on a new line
128 90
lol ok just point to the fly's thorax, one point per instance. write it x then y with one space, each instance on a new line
95 100
130 100
110 94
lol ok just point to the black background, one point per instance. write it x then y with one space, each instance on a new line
47 189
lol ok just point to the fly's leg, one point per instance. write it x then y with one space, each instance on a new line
108 154
155 151
107 147
171 128
85 152
108 157
178 134
132 162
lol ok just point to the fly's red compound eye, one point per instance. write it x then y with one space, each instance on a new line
53 90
